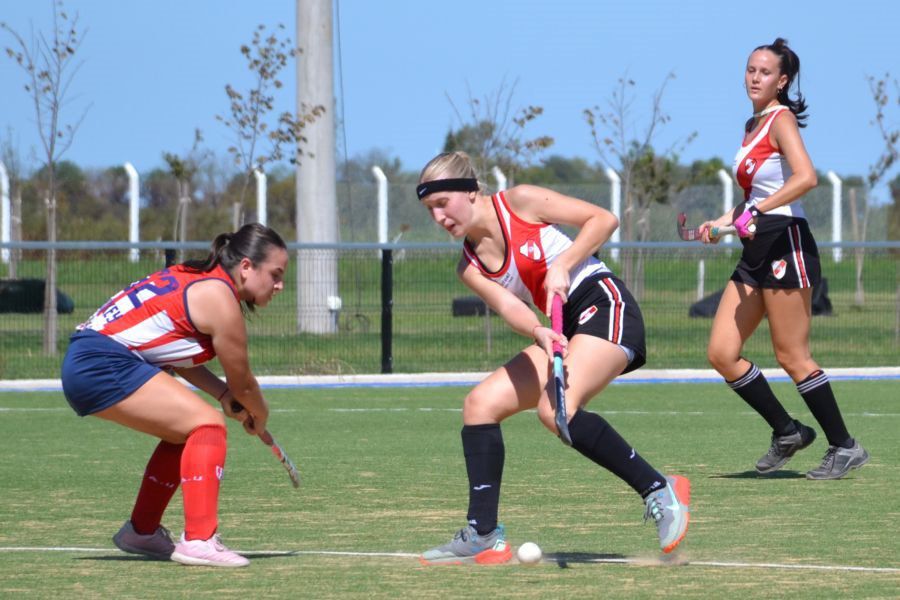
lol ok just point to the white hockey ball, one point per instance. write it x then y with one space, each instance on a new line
529 553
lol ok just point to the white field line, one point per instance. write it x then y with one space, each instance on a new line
549 559
674 413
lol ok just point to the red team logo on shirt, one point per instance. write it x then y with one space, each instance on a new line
531 249
749 165
779 268
586 315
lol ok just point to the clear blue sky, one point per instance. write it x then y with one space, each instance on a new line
155 70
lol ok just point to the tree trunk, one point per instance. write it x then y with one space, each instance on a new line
16 221
50 315
628 231
637 287
860 297
236 215
237 208
897 319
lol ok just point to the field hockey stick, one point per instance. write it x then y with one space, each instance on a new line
559 375
689 234
277 450
286 462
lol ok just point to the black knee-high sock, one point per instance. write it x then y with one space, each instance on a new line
754 389
596 439
816 392
484 452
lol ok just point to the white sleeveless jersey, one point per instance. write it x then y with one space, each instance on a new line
761 170
530 250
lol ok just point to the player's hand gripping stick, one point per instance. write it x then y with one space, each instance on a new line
690 234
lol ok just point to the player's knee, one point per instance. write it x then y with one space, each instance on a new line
209 416
795 365
718 358
477 405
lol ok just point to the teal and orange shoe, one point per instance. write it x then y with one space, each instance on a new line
469 547
669 508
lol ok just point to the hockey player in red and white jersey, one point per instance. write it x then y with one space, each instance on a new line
777 270
517 259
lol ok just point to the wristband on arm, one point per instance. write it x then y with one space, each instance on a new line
743 223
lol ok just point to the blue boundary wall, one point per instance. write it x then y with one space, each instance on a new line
646 376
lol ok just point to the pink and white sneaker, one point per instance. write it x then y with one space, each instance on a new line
158 545
208 553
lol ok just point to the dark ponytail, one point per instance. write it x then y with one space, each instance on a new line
789 64
252 241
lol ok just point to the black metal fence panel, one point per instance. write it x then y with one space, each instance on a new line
433 323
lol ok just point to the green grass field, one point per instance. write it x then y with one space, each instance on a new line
424 289
383 473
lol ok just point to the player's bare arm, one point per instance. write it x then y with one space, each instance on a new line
785 136
204 379
216 313
595 226
518 315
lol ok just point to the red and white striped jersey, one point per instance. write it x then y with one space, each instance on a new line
530 250
761 170
151 318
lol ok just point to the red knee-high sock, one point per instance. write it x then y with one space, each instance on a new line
160 481
202 464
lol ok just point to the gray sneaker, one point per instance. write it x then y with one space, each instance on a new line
838 461
669 508
158 545
467 547
784 447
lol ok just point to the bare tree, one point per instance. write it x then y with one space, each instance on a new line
266 55
877 171
647 176
493 133
183 169
50 69
890 136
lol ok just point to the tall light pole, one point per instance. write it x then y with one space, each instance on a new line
316 191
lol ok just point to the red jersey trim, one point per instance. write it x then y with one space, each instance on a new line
763 126
470 252
226 279
797 248
616 310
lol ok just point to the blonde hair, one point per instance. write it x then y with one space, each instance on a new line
449 165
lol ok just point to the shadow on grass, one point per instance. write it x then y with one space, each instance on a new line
564 559
138 558
755 475
121 557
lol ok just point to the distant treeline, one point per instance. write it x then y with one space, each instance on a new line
93 203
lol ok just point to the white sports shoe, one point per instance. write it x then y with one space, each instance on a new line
158 545
207 553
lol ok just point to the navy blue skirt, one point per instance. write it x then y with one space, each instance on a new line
98 372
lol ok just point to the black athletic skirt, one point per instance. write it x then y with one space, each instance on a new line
784 257
603 307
